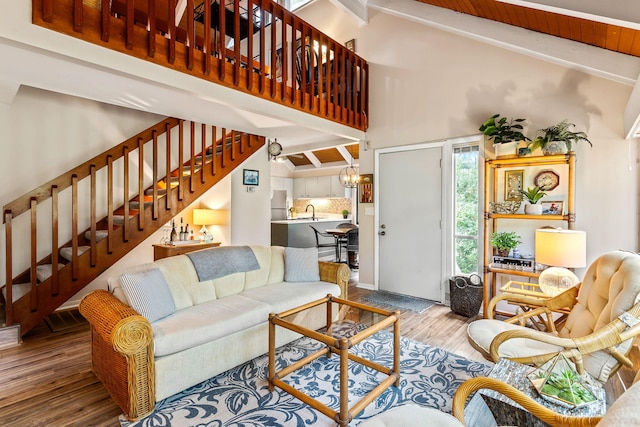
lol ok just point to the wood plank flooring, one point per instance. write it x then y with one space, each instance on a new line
47 381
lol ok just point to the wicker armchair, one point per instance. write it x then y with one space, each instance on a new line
598 332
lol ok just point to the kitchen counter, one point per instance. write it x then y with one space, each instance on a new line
304 220
297 233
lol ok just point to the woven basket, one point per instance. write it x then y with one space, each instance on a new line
466 298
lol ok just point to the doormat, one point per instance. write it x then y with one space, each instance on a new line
64 319
404 302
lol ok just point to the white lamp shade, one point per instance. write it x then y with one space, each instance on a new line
204 216
561 248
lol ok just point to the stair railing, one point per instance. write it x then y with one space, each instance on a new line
167 179
273 54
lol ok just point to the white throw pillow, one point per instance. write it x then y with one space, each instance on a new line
301 265
148 293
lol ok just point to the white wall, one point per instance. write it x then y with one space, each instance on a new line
429 85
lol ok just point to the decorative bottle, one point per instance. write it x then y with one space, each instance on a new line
174 235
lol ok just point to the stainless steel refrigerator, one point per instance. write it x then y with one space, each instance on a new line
278 205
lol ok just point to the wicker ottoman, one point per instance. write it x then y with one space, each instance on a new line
412 416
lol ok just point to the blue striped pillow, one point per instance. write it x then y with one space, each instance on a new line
148 293
301 265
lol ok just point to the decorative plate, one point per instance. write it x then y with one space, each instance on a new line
547 180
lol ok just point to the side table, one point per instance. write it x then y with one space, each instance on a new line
165 251
507 412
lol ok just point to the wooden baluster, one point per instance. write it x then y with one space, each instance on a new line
325 73
294 62
125 185
223 146
8 244
237 41
191 157
191 42
203 131
171 31
154 180
33 297
180 162
74 227
242 142
167 170
105 17
274 51
313 69
284 60
55 281
151 24
206 46
47 10
77 15
250 45
233 145
222 48
263 68
129 22
110 204
365 97
214 141
141 164
350 81
94 219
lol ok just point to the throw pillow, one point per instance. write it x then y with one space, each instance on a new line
148 293
301 265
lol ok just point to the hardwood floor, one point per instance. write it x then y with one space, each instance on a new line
47 381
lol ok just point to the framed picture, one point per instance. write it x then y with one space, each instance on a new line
513 180
351 45
366 188
547 180
250 177
552 207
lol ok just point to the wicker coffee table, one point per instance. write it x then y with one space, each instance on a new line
341 347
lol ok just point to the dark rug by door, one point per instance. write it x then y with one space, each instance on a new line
404 302
240 397
64 319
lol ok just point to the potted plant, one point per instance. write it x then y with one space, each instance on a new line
345 213
504 133
533 196
504 241
558 139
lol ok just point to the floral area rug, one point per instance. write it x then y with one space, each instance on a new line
240 396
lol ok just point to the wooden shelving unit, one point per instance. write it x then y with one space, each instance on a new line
491 220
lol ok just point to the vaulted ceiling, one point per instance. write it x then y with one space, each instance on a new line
611 25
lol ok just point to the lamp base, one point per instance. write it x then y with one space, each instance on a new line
555 280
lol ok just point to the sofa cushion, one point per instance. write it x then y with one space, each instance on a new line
148 293
287 295
276 273
206 322
180 275
301 265
256 278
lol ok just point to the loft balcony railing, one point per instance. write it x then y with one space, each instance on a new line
255 46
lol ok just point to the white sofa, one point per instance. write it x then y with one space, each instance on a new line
186 330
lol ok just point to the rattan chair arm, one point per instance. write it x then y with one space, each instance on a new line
539 411
502 337
338 273
116 322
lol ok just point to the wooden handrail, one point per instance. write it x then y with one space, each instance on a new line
269 61
228 150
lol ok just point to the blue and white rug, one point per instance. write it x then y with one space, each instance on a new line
240 397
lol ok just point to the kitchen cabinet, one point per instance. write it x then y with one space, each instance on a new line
299 188
506 222
319 187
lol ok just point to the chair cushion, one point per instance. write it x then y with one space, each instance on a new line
412 416
624 411
148 293
301 265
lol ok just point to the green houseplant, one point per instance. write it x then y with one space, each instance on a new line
504 241
345 213
533 196
558 139
504 133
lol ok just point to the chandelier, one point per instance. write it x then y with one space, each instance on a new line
350 176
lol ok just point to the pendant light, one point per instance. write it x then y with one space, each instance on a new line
350 176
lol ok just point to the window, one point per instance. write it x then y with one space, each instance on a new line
293 4
465 163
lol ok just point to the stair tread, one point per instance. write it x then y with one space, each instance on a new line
100 234
67 252
18 291
44 271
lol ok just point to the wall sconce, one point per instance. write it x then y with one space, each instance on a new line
204 217
560 249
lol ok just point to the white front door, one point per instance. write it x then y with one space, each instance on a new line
409 223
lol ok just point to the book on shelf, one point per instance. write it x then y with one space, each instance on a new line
518 264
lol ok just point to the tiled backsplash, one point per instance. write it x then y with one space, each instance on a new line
323 206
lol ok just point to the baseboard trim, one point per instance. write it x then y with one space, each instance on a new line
366 286
10 336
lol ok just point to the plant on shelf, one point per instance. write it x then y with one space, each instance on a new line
504 241
345 213
558 139
501 130
533 196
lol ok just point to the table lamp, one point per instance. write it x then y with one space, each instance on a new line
204 217
560 250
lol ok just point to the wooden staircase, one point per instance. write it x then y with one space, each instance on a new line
95 209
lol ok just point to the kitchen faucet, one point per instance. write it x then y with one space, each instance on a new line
313 210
